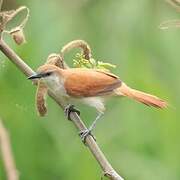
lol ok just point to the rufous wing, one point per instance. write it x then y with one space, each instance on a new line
89 83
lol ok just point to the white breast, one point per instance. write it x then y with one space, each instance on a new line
56 85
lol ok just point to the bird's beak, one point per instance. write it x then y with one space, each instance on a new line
35 76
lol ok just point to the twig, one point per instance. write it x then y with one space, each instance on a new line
90 142
11 171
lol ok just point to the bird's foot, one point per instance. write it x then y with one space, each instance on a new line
84 134
70 108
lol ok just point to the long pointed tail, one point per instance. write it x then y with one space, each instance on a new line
147 99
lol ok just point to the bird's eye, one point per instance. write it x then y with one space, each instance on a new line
48 73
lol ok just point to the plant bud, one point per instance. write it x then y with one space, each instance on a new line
18 36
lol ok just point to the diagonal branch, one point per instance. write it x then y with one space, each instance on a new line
5 147
90 142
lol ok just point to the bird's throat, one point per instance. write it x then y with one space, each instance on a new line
56 85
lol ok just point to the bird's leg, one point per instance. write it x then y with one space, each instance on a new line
95 121
84 134
70 108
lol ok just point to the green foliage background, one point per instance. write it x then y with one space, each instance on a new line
142 143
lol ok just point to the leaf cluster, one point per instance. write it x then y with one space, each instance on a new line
80 62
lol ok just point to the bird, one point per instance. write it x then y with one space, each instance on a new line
91 87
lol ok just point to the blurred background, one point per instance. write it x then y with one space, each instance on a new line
141 143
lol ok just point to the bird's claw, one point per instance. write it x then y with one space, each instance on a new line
84 134
70 108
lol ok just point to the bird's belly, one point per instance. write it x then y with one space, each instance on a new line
96 102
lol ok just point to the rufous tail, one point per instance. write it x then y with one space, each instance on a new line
147 99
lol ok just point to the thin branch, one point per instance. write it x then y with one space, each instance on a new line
90 142
7 156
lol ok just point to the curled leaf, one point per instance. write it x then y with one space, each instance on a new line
17 31
41 98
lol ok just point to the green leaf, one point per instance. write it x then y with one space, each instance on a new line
81 62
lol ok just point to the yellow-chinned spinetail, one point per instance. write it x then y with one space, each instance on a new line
91 87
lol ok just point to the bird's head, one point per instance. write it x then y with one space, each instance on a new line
46 72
